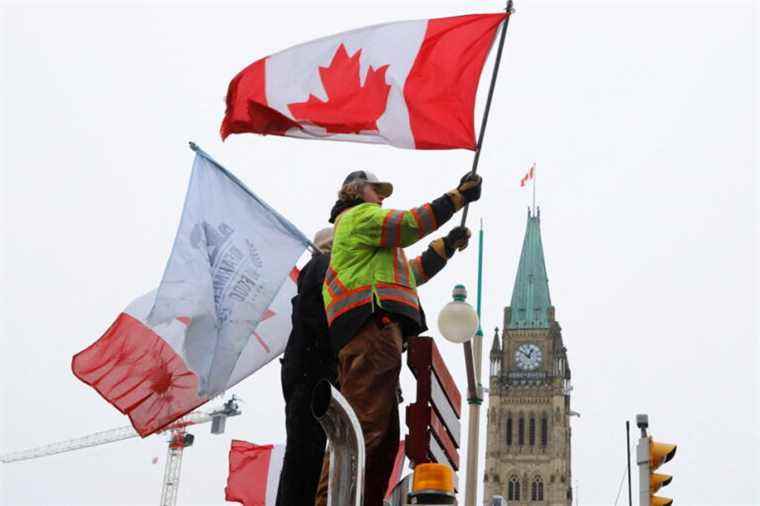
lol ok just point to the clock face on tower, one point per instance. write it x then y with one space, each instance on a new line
528 356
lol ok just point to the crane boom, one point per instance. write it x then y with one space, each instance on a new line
98 438
230 408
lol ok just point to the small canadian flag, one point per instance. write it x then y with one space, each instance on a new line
527 177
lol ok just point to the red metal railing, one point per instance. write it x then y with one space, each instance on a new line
433 419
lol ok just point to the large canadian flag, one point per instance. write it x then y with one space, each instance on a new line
222 310
411 84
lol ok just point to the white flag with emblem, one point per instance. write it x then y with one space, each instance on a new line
230 258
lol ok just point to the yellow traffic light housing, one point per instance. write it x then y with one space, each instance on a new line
657 481
650 455
659 453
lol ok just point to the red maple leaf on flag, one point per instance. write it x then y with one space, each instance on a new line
350 107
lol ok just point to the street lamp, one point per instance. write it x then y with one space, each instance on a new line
458 321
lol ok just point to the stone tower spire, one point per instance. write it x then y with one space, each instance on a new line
496 354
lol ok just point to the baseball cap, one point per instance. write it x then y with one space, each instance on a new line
383 188
323 239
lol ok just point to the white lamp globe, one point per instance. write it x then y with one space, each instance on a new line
458 321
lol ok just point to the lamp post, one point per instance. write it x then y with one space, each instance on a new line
458 323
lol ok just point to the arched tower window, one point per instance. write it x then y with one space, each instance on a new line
544 430
532 431
509 430
513 489
537 489
521 431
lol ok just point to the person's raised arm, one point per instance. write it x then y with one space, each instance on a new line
390 228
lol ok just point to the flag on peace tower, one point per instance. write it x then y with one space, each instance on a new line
410 84
221 312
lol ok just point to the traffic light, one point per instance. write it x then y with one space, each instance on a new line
650 455
659 453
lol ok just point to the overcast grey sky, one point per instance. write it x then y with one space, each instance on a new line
638 115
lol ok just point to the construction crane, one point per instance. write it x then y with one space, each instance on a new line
179 439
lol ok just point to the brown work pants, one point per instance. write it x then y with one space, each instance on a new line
368 373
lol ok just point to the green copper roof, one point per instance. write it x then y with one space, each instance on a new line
530 296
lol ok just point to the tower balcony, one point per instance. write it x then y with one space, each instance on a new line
527 379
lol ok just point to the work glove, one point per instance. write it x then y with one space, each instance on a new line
469 187
457 239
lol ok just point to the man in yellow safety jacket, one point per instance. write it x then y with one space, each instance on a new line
372 305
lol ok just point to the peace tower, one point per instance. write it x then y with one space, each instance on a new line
528 440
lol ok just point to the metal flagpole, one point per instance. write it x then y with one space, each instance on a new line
479 334
475 392
474 388
628 450
488 101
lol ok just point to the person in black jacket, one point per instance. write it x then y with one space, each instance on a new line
307 359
